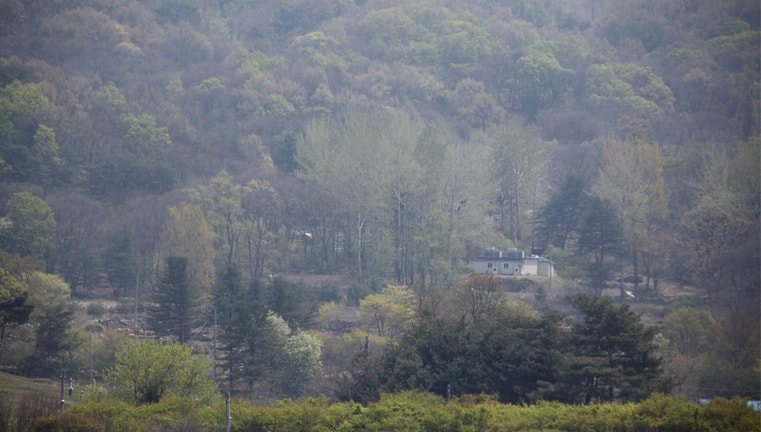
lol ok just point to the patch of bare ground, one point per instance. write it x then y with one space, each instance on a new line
341 280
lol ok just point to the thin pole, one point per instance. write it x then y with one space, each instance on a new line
91 374
137 301
214 353
63 401
227 409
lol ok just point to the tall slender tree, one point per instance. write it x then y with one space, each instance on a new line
517 158
175 303
186 233
600 236
631 179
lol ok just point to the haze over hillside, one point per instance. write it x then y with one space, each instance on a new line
388 140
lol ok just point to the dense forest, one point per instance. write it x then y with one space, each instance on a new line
169 168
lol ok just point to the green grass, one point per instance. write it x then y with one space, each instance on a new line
17 386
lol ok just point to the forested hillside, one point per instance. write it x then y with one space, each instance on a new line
179 159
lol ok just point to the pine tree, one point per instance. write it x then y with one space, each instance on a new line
175 309
242 319
612 355
600 236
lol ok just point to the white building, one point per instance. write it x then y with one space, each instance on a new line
511 263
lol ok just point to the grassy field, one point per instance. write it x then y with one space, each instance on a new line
18 386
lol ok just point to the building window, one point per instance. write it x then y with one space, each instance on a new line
488 265
506 265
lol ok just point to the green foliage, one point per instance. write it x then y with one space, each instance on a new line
627 89
650 33
360 122
294 301
560 217
32 225
388 312
143 135
540 80
512 357
175 301
690 331
147 371
405 411
67 421
612 355
52 319
96 310
661 412
14 305
728 415
600 236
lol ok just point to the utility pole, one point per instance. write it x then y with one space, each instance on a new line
214 349
91 373
137 299
228 418
63 401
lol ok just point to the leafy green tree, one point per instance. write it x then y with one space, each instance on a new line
147 371
32 225
611 355
388 312
692 335
334 155
186 233
14 305
299 361
258 347
221 203
46 155
631 179
260 203
540 80
142 134
709 235
51 318
478 298
385 31
175 301
475 106
628 89
517 157
465 42
76 252
20 105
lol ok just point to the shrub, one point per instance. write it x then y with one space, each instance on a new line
729 415
96 310
66 421
660 412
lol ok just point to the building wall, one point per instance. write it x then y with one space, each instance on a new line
500 266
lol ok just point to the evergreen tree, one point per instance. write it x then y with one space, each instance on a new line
601 237
560 216
51 318
175 309
242 320
611 355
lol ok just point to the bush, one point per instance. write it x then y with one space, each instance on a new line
729 415
66 422
96 310
660 412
